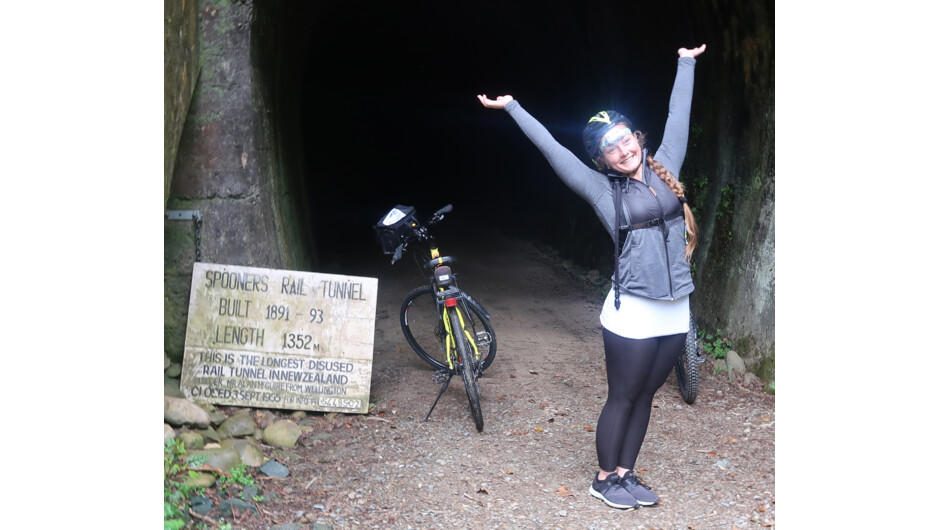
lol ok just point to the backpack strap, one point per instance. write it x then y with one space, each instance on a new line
617 181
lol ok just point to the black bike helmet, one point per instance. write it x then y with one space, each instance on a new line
597 127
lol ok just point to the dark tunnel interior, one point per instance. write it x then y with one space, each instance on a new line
390 115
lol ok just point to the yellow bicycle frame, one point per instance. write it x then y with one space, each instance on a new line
450 341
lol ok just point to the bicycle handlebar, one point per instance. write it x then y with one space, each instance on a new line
420 232
437 216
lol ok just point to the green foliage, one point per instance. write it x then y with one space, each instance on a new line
194 461
173 451
698 188
713 343
172 518
177 465
726 203
174 496
240 476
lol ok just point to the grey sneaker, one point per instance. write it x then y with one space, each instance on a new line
639 490
612 493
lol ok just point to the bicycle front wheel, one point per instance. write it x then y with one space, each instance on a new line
467 366
687 365
421 324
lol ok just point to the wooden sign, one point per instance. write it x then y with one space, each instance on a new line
282 339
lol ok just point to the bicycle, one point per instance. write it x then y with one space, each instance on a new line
443 324
687 364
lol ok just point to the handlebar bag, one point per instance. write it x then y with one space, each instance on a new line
395 227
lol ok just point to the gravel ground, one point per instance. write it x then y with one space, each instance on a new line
712 463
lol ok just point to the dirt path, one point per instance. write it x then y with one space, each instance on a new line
712 463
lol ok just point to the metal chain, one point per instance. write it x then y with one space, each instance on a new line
197 220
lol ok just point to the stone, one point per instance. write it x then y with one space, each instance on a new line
171 387
250 453
205 405
215 417
201 505
239 505
250 492
174 370
166 362
224 458
240 424
273 468
210 434
179 411
192 440
199 480
283 433
264 418
168 433
735 361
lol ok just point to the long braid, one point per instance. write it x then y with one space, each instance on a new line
690 227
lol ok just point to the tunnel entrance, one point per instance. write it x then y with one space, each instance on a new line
387 112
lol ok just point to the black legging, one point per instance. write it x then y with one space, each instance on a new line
636 368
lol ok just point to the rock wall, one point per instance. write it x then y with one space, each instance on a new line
180 71
227 168
730 175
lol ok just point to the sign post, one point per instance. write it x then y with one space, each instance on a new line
282 339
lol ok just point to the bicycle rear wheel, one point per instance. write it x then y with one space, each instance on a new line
687 365
424 331
467 367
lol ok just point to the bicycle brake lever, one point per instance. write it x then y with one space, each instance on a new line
438 216
398 253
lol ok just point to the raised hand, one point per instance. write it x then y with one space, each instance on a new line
694 52
499 103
